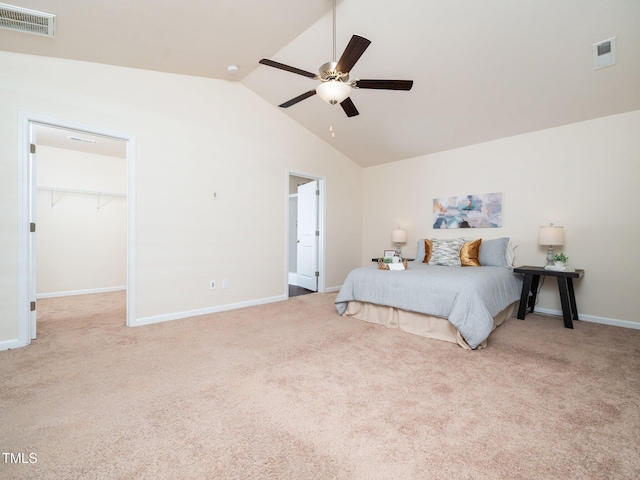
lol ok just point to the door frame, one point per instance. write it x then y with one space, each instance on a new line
321 226
26 185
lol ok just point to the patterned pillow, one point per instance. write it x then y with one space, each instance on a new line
446 252
470 253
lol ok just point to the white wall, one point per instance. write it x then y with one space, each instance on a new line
193 136
82 239
583 176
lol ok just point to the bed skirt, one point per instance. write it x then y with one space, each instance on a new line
418 323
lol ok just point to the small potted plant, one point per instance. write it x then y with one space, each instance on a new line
560 259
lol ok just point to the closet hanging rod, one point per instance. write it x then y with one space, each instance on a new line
81 192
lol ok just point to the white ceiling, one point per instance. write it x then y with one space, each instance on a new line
80 141
481 70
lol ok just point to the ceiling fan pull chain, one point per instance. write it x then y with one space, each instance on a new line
332 120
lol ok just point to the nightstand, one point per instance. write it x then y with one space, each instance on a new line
565 286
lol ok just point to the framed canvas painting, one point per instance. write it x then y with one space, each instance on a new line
468 211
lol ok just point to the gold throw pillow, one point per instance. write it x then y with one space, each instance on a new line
470 253
428 247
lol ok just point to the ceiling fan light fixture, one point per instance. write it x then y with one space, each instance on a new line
333 91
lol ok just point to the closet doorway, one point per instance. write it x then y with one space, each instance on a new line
305 251
76 199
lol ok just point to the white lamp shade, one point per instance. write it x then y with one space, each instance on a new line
399 236
333 91
551 235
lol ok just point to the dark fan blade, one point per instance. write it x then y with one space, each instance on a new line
349 108
385 84
356 47
282 66
299 98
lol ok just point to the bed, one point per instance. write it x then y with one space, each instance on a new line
439 299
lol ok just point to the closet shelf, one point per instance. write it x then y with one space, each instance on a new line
81 192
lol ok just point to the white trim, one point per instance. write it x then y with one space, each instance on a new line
322 208
332 289
205 311
24 277
9 344
593 319
293 278
72 293
131 231
24 316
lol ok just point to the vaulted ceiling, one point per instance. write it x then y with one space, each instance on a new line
481 70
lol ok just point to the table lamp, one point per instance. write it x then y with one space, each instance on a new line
551 236
398 236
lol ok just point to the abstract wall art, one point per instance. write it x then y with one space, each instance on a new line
468 211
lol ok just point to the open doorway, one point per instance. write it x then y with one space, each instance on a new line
305 253
81 215
76 203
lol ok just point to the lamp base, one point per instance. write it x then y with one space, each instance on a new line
550 255
398 252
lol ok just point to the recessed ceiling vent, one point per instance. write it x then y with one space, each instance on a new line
27 21
604 53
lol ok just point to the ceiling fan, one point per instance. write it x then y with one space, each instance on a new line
335 86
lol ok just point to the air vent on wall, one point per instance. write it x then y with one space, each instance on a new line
27 21
604 53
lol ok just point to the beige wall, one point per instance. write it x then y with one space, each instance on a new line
583 176
82 238
193 136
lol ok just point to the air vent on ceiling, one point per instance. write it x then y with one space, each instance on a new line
27 21
604 53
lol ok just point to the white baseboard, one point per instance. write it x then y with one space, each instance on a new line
204 311
332 289
293 278
592 318
9 344
79 292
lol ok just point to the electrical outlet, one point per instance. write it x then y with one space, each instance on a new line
225 283
212 284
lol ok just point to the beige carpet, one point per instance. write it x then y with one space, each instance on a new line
292 391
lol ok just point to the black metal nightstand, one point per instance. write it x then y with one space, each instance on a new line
565 285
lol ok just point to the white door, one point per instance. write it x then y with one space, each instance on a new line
307 246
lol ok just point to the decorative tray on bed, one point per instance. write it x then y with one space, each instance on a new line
393 266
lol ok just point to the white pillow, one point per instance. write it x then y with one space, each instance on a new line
511 254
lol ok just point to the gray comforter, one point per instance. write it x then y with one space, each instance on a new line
469 297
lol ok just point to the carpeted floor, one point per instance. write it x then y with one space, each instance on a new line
290 390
